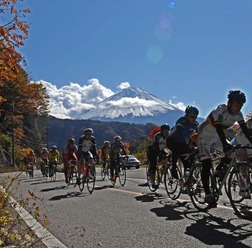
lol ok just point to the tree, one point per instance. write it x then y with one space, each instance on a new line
13 32
23 103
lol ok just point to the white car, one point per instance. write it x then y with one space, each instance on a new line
130 161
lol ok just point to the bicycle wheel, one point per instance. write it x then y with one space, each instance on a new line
54 173
241 205
69 176
103 173
172 184
152 186
46 172
91 180
82 182
122 176
196 190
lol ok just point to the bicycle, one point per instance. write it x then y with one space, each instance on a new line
72 172
176 178
165 174
105 170
120 172
87 171
195 186
52 169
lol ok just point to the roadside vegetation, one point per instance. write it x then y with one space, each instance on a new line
21 104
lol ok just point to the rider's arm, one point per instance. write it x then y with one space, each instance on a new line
221 134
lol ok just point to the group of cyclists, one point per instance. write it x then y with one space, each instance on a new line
211 135
47 159
86 150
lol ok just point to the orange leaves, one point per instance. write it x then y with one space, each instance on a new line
13 32
33 196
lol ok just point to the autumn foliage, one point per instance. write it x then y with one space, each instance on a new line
13 32
20 100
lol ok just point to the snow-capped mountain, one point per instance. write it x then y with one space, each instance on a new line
134 105
96 102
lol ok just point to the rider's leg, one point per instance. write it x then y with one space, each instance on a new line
205 174
66 167
112 168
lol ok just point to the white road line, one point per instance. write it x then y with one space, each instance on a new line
42 233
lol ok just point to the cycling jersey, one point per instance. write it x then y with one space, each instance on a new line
208 137
105 152
53 155
160 139
117 148
70 152
44 155
183 130
87 145
31 158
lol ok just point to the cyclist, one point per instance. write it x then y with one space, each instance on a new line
30 160
179 139
105 152
53 157
44 160
156 151
211 134
86 149
117 149
69 153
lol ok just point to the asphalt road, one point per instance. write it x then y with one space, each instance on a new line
131 216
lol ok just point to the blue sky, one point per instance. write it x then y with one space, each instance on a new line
190 51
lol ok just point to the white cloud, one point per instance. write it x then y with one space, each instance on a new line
123 85
179 105
71 100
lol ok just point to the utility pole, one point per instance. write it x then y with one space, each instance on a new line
13 137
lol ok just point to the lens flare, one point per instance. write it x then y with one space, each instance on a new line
163 30
155 53
171 5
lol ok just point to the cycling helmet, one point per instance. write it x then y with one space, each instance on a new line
54 147
192 111
117 137
44 149
236 96
106 142
71 141
165 126
88 130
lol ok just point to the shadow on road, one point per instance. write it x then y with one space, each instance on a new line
171 210
218 231
210 230
53 188
149 197
69 195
